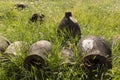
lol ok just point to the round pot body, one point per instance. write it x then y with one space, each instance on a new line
37 54
68 26
95 53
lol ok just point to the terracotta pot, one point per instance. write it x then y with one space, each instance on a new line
68 26
37 54
95 53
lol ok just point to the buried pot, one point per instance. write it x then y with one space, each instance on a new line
37 54
68 56
69 26
15 48
95 53
4 43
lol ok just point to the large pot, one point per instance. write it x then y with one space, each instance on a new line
95 53
68 26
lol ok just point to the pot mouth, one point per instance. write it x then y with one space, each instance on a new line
34 60
68 14
95 61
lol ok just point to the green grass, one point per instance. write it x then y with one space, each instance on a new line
95 17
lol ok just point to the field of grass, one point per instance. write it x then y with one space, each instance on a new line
95 17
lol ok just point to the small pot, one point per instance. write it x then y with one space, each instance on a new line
68 56
15 48
4 43
95 53
34 17
37 54
68 26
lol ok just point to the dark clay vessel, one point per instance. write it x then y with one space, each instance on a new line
36 17
69 26
37 54
95 53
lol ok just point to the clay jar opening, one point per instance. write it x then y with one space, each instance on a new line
34 60
95 61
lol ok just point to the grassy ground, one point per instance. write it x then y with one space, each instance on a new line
95 17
